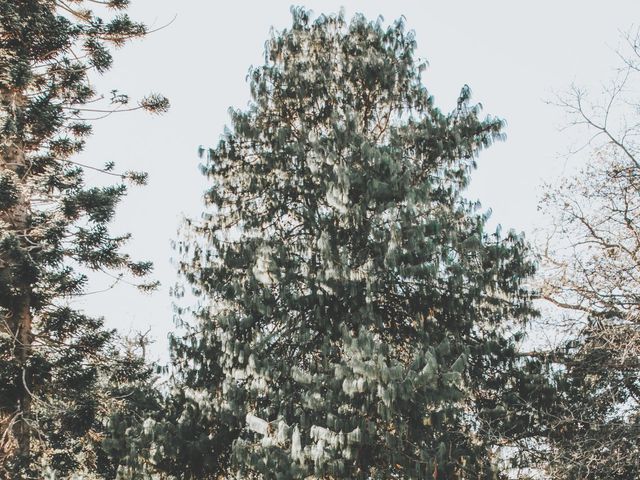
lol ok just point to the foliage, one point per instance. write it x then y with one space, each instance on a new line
53 228
354 314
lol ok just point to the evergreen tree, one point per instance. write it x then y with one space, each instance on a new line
131 404
54 227
353 312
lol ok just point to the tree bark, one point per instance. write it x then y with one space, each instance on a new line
21 428
18 318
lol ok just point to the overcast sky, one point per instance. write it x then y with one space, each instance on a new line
513 55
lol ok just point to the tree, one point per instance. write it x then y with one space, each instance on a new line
54 227
353 311
131 403
591 272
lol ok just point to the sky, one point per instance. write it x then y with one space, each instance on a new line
515 56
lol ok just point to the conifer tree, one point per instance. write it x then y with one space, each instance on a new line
53 228
131 402
353 310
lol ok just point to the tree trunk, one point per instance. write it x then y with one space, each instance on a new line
18 316
21 429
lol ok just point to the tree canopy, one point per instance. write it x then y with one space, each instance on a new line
55 360
354 312
344 311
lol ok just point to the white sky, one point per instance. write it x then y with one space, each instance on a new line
513 55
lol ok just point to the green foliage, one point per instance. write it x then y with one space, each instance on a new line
353 311
53 227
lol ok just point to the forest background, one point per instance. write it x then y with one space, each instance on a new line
568 100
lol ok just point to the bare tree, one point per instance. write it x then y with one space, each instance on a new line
590 271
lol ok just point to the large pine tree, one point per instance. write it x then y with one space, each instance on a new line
353 310
53 228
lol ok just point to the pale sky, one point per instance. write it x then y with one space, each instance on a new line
513 54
